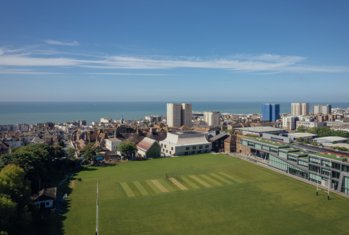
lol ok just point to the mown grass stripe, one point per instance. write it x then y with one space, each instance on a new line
158 184
212 181
127 189
189 182
170 187
178 184
218 177
140 188
200 181
229 177
153 187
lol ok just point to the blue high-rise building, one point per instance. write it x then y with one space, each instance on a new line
266 112
275 112
270 112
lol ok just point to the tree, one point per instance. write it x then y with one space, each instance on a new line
71 153
7 211
14 197
88 152
128 149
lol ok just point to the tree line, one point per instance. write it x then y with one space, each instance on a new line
323 131
23 173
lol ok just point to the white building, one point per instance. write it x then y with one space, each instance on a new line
305 109
174 115
179 115
112 144
331 140
299 109
186 115
309 124
212 118
289 122
185 143
105 120
322 109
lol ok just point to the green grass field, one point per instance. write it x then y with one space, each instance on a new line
203 194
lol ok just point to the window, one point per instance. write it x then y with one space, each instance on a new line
171 148
335 174
194 147
345 168
186 148
206 146
326 163
200 147
336 165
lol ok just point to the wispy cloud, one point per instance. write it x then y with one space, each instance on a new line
266 63
61 43
27 72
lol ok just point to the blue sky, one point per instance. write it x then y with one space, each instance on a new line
174 50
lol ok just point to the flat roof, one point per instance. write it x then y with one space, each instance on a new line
301 135
261 129
343 145
331 138
265 141
330 156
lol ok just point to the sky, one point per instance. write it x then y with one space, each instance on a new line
270 51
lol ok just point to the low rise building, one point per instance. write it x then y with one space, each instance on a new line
218 142
309 124
331 140
185 143
259 130
329 170
301 136
289 122
148 148
112 144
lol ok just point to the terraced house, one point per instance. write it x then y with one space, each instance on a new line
315 167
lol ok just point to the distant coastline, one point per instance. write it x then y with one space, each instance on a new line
37 112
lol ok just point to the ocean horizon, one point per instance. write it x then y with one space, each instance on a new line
39 112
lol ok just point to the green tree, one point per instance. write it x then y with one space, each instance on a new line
15 197
71 153
88 152
128 149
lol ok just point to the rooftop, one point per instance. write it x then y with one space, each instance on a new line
145 144
265 141
301 135
330 156
261 129
330 139
299 154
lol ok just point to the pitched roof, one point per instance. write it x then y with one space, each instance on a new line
145 144
219 136
46 192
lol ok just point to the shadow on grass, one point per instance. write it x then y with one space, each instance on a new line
53 222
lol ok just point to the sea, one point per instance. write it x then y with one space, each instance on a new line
40 112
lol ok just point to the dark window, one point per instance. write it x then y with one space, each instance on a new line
200 147
335 174
336 165
345 168
186 148
206 146
194 147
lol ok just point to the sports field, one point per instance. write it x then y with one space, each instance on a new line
202 194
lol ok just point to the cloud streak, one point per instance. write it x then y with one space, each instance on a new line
62 43
270 63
